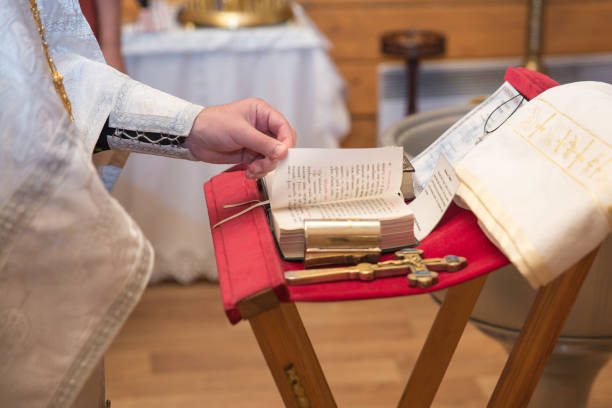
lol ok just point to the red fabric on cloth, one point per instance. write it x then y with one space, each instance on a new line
529 83
248 261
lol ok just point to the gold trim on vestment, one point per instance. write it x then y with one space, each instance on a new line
506 233
579 156
58 80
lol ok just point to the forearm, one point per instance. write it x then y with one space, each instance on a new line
109 32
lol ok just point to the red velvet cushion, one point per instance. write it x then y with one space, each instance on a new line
248 261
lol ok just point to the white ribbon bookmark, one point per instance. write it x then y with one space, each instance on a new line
238 214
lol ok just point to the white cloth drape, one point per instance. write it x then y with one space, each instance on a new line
286 65
72 262
541 185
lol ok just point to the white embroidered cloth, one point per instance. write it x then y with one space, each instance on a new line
541 185
96 90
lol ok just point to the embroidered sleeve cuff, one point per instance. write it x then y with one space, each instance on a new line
145 109
142 142
145 120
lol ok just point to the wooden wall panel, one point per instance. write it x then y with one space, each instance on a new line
470 31
578 28
360 78
374 3
312 4
473 29
363 132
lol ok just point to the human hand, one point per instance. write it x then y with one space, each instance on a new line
247 131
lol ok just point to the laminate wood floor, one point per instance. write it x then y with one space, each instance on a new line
177 349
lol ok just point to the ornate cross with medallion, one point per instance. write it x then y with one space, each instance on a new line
421 272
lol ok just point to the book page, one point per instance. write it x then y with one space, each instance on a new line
431 204
311 176
460 138
385 207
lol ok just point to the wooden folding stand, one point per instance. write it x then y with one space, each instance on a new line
285 344
301 382
253 289
528 357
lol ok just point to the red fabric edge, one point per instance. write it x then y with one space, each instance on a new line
232 313
257 274
529 83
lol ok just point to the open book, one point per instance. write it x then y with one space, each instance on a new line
355 184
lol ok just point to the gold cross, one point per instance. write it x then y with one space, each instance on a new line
420 271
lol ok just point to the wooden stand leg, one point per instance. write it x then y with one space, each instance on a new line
538 336
290 357
441 343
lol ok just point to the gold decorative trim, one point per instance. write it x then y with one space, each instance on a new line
334 242
58 80
557 162
502 229
296 386
557 110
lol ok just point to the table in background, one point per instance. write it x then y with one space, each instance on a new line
286 65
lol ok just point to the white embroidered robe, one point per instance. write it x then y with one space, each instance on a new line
72 262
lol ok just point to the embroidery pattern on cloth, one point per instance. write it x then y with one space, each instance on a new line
582 155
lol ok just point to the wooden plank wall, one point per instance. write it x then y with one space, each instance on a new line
473 29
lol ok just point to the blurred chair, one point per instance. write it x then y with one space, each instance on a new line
412 46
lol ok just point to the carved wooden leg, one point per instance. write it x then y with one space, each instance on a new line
538 336
290 356
441 343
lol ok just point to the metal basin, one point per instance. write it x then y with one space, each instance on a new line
586 339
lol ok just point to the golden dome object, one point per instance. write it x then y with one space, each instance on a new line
234 13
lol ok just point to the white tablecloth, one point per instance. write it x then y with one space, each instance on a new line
286 65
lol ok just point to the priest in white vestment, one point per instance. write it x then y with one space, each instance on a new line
72 262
